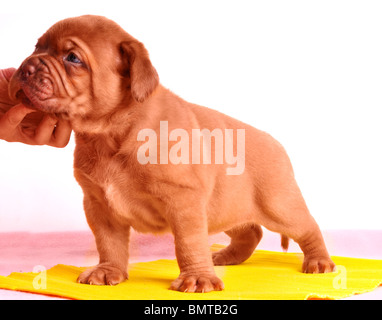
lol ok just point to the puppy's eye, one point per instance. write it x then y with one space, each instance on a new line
71 57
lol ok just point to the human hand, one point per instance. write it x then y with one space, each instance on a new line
39 129
5 77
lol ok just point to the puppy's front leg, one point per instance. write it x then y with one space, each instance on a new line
112 239
190 230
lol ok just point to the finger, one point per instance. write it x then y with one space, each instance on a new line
44 131
8 73
61 134
5 76
13 117
10 128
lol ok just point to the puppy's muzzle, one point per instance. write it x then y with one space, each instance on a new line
34 82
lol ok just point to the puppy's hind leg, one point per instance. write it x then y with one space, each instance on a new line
244 240
285 212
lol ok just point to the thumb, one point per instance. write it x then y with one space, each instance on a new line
13 117
8 73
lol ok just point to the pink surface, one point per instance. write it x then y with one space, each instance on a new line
21 252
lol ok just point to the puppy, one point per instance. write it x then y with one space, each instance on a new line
136 167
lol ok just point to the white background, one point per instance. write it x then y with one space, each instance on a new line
307 72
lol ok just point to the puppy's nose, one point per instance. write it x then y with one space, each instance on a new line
28 69
31 66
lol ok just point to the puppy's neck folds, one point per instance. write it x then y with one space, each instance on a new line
115 123
120 120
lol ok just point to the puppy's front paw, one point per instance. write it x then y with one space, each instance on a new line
103 274
197 283
318 265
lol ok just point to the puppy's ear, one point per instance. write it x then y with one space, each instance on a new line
143 76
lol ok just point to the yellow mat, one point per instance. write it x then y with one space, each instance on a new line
266 275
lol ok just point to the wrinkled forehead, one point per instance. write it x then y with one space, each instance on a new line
88 26
97 35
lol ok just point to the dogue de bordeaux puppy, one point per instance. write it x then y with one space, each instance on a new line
146 159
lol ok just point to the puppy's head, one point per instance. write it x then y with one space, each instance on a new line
84 67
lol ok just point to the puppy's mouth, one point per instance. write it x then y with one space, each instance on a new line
37 94
22 97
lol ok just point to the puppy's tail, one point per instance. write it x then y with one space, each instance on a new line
284 242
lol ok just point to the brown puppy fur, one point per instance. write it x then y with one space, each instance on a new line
87 69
